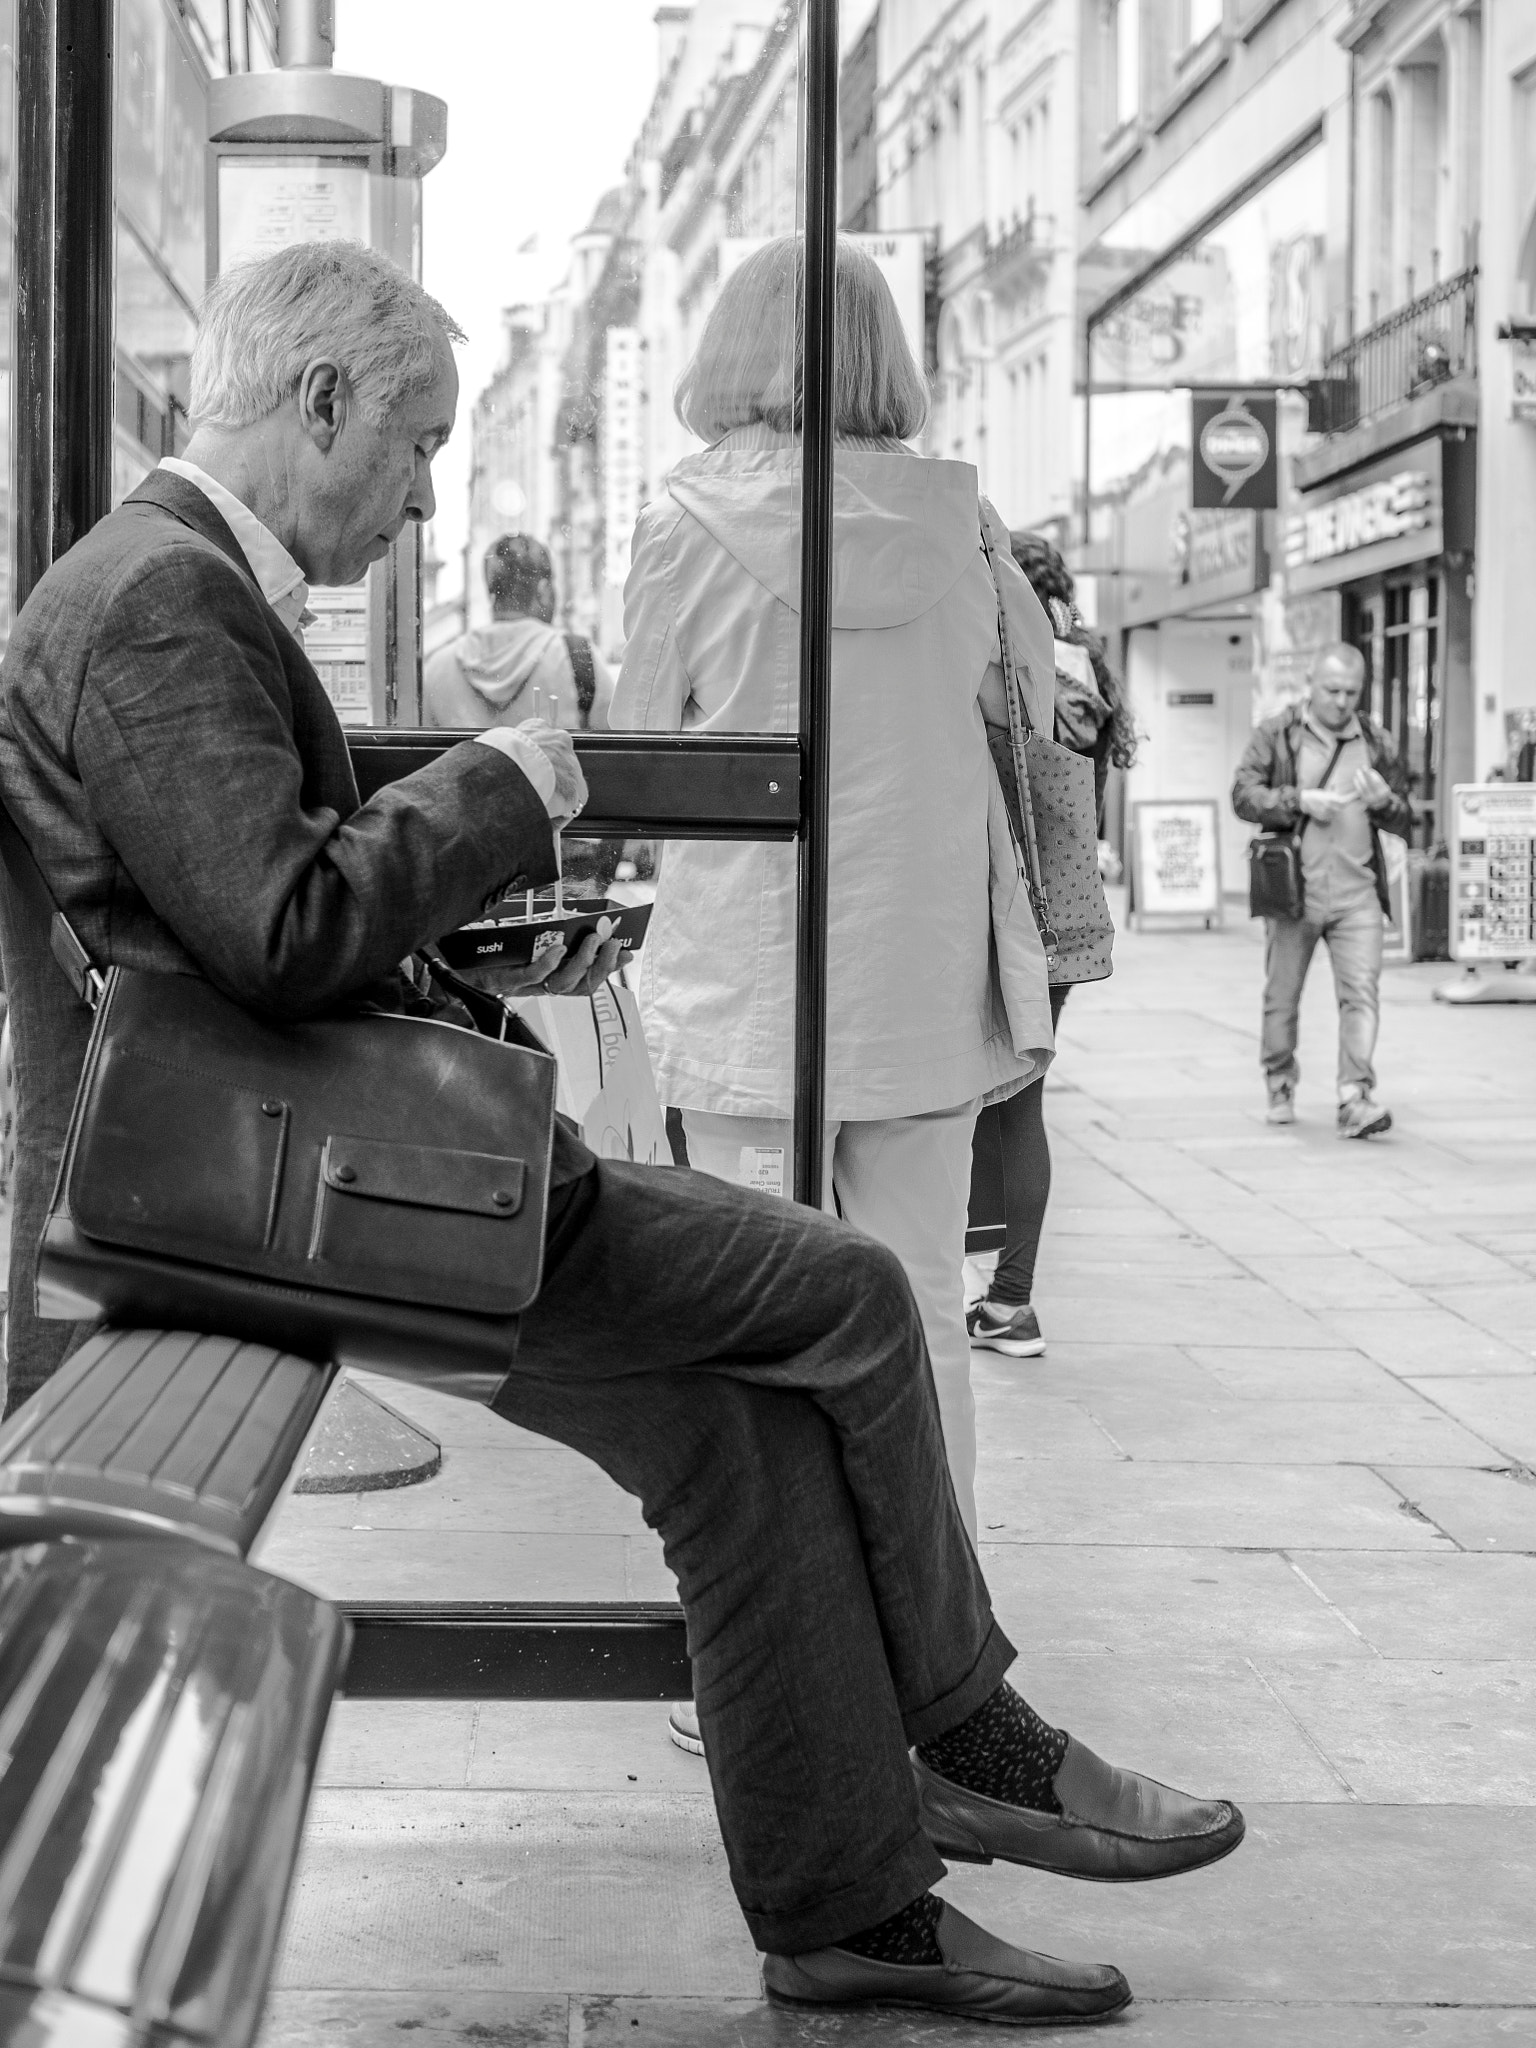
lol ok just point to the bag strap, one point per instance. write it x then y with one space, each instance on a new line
1019 730
27 879
1304 821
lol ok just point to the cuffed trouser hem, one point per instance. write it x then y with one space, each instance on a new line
983 1679
905 1875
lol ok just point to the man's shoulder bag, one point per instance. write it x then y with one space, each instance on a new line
368 1188
1276 887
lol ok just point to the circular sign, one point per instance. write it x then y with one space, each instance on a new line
1234 445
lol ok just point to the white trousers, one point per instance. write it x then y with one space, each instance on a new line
905 1182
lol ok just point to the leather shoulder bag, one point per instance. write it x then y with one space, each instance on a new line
1049 794
371 1188
1276 887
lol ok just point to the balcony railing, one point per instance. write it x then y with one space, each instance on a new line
1430 340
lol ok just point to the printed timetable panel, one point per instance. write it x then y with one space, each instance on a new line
1493 865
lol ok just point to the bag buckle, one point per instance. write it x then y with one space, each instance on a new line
86 981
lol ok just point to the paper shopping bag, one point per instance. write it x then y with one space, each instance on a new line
605 1082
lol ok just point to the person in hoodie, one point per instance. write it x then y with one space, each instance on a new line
496 674
937 995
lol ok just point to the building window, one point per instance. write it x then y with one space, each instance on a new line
1122 62
1201 19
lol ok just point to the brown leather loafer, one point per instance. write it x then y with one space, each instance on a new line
981 1978
1115 1827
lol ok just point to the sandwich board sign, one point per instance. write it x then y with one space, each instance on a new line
1493 871
1176 860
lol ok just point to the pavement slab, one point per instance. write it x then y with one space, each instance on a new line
1251 1507
1116 1600
1462 1608
1501 1410
1258 1432
1492 1510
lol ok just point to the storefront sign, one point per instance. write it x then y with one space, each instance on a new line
1233 438
1389 514
1206 545
1181 326
1493 871
621 449
1176 860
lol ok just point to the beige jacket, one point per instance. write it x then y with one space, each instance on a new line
936 977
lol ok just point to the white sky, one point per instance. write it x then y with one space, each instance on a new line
544 99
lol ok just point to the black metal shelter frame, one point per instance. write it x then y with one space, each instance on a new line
705 787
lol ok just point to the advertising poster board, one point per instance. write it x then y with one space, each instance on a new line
1493 853
1176 860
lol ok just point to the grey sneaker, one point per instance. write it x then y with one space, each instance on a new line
1359 1117
1282 1106
683 1727
1015 1332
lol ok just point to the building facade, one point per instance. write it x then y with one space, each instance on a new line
976 146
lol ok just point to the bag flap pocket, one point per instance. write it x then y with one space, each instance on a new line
424 1176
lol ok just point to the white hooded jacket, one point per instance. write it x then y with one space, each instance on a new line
936 977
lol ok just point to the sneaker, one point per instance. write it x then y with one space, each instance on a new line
1015 1332
683 1727
1359 1117
1282 1106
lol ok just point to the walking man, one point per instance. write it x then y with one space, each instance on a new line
1330 774
521 664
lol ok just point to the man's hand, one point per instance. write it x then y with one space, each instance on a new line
1325 804
559 751
552 974
1373 787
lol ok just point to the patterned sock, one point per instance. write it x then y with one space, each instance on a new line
1004 1751
909 1936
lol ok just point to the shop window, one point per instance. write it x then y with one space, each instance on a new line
1397 629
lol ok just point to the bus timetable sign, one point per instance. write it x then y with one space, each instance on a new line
1232 449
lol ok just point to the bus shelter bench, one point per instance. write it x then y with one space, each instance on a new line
162 1701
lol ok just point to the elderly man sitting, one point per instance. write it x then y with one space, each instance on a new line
753 1372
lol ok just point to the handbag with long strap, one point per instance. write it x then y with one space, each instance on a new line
1276 885
1055 822
367 1187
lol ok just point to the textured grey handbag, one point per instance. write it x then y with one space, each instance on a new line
1048 792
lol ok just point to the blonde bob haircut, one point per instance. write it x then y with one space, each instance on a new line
747 368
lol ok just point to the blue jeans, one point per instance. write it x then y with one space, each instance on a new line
1353 939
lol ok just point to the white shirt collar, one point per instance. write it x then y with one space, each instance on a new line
279 575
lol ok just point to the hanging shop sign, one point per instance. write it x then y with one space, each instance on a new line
1234 464
1176 860
1372 520
1493 871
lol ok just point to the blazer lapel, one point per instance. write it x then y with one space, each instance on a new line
317 731
194 508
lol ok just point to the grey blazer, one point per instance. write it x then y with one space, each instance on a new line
173 761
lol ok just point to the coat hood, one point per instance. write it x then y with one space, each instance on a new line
497 660
904 530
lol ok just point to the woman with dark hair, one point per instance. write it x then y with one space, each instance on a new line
1092 718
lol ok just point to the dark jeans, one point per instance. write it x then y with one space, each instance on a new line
1026 1183
755 1373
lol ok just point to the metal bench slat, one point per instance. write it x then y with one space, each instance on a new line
153 1796
164 1430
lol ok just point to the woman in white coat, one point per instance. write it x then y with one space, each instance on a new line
937 992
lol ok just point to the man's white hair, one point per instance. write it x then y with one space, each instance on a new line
265 321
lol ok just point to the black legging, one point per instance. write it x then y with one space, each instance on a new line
1026 1184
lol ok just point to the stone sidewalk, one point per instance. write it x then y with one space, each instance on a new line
1263 1522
